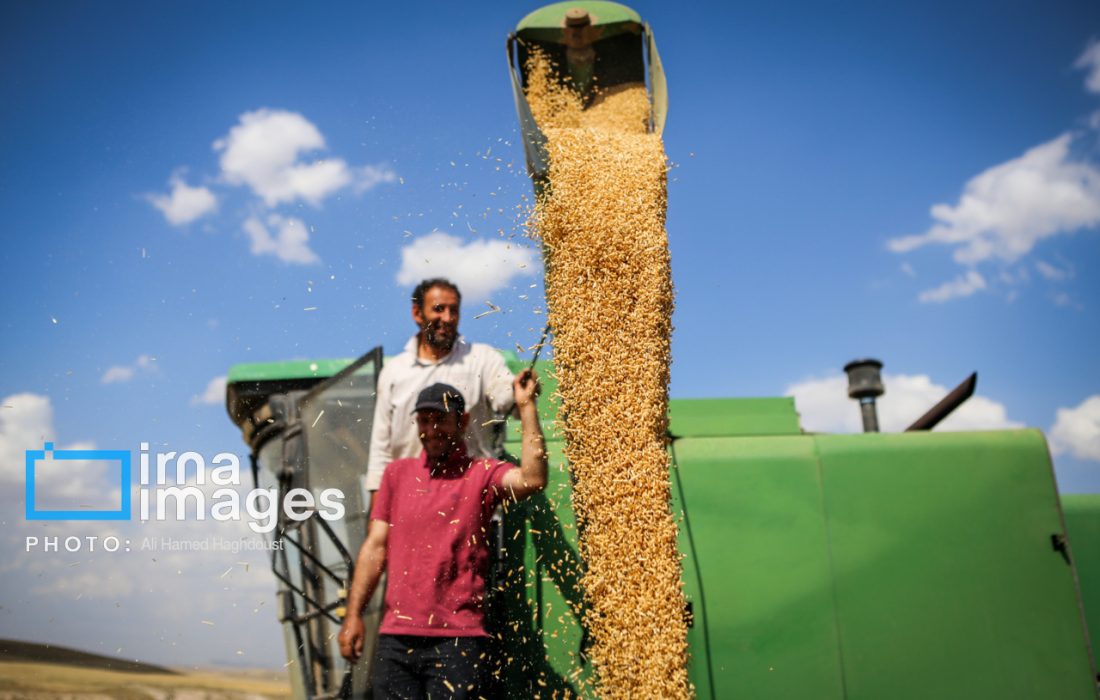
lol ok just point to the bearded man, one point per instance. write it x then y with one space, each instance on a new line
437 353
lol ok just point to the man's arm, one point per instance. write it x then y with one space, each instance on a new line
368 569
530 476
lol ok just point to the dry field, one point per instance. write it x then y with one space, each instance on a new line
21 680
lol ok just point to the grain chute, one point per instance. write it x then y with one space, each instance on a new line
597 45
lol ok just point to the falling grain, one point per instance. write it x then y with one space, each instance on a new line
601 221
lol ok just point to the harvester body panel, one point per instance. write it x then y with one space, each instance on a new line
1082 514
905 565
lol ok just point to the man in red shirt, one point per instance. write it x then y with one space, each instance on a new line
429 528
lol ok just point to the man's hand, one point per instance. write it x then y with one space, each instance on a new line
351 638
368 570
531 475
526 387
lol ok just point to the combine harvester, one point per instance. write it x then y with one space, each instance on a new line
869 566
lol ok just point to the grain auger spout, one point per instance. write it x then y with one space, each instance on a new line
596 46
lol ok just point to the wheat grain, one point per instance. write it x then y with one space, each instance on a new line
601 220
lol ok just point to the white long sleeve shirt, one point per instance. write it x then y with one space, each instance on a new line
477 370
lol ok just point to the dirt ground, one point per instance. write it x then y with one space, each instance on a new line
39 681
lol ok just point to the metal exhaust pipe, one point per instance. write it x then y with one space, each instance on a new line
865 385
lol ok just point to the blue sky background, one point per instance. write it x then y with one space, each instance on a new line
805 137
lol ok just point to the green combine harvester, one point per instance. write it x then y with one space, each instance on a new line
858 567
907 565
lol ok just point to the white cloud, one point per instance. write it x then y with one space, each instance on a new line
1052 273
1089 60
1062 299
263 151
118 373
214 394
370 176
26 423
478 267
184 203
1003 212
275 155
908 269
290 242
824 406
1077 430
961 286
124 373
1020 276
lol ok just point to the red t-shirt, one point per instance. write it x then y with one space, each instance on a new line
437 551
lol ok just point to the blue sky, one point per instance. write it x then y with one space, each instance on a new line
305 157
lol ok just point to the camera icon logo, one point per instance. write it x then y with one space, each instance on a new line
122 457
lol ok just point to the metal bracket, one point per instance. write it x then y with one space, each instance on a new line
1059 543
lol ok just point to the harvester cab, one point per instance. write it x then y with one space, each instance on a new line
596 46
308 425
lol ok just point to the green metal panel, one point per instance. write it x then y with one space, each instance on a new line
731 417
755 512
699 658
547 597
845 566
289 369
1082 513
539 595
946 582
755 572
658 84
549 401
543 599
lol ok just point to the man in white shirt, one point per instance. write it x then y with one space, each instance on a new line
437 353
